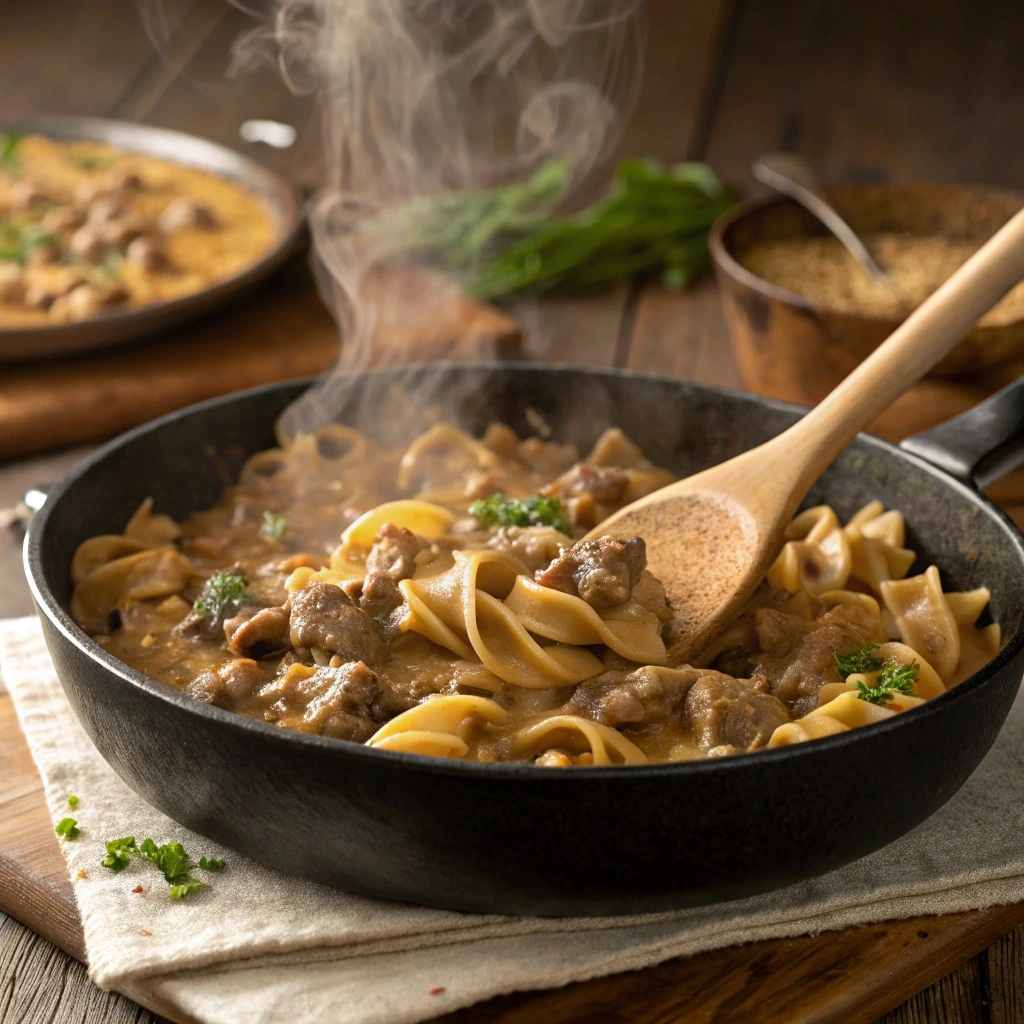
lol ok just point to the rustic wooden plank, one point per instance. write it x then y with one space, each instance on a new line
957 998
57 57
683 335
1003 971
873 90
39 983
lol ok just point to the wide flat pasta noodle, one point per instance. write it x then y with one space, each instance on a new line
439 726
629 629
607 746
924 618
462 609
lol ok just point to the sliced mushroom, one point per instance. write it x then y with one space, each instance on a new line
149 529
25 195
156 573
147 253
12 283
123 179
79 304
98 551
43 254
185 213
87 244
64 218
106 209
121 230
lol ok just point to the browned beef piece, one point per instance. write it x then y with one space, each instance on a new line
257 633
732 712
324 616
644 695
799 656
603 572
233 686
605 484
394 552
210 627
336 702
534 546
383 602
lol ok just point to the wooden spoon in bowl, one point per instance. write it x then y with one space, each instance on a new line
712 537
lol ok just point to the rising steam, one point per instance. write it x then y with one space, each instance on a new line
422 96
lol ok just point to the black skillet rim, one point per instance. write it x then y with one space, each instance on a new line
59 618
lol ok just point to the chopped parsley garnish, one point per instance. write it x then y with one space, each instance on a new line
274 524
67 827
18 241
170 858
223 592
892 679
9 147
497 510
183 889
119 853
90 161
855 662
72 801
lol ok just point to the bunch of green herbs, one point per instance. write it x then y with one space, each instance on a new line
509 241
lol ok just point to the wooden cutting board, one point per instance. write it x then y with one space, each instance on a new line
834 978
280 332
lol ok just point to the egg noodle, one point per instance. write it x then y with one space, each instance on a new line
436 599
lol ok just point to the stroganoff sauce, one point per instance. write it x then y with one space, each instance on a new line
436 599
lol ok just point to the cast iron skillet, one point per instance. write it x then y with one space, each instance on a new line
513 838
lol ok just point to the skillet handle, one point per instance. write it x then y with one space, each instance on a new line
981 445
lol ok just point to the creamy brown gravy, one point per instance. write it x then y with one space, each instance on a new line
115 228
772 662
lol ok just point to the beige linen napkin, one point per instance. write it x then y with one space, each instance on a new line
259 947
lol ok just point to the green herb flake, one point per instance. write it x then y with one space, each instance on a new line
89 161
170 858
9 142
892 679
857 662
67 827
119 853
72 801
223 592
274 525
183 889
497 510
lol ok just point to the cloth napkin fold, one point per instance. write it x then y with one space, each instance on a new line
260 947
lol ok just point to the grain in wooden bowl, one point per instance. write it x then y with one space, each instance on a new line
802 314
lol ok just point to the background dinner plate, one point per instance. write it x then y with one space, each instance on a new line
282 198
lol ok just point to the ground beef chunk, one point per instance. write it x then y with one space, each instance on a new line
534 546
603 572
338 701
799 656
732 712
380 596
643 696
232 686
394 552
324 616
211 627
258 632
589 493
605 484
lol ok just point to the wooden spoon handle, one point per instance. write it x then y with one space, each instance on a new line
908 353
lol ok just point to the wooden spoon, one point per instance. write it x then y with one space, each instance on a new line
711 538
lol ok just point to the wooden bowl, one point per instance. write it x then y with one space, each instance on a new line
792 348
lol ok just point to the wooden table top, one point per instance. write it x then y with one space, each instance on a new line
868 91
